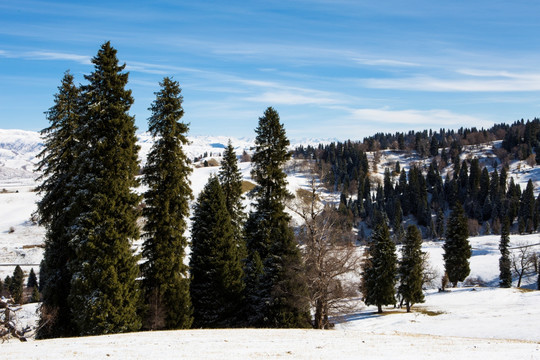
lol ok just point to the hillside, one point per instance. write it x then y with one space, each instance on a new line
464 321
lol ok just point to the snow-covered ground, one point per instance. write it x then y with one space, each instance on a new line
468 322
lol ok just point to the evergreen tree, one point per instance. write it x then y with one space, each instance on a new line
216 266
104 293
16 285
166 281
504 261
55 210
276 294
231 182
32 279
410 268
527 207
457 249
379 273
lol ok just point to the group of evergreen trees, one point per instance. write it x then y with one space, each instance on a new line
240 273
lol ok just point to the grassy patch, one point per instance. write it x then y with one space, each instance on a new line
247 186
525 290
423 310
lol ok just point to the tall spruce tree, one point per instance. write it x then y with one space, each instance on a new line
410 268
166 281
505 265
230 178
55 210
217 276
104 293
276 293
457 250
380 269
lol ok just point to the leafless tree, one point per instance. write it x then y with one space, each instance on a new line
329 253
523 261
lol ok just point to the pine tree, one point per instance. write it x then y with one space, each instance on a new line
457 249
504 261
379 273
216 266
104 293
16 285
231 181
410 268
166 282
32 279
55 210
276 293
527 207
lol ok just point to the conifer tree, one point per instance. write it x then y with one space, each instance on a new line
16 285
527 207
504 261
166 281
457 249
379 272
410 268
216 266
104 293
231 181
32 279
276 294
55 210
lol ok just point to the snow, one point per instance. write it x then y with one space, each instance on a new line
467 322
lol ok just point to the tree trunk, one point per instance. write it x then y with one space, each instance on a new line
519 279
379 309
408 304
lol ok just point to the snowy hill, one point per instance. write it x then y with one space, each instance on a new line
469 322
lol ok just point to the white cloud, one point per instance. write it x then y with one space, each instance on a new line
385 62
292 98
50 55
506 83
426 118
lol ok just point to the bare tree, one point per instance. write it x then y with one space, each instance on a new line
329 253
523 261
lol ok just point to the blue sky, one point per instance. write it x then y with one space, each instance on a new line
331 68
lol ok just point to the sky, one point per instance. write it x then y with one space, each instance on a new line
335 69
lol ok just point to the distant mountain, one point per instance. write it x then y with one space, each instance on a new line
19 150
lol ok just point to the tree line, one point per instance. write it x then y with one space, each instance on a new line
242 271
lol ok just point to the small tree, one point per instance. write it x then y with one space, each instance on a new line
16 285
410 268
379 269
523 261
504 261
32 279
457 249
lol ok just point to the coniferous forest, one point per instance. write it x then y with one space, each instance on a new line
252 269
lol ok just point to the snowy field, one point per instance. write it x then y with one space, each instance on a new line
463 323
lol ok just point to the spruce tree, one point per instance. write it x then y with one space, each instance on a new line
231 181
379 273
104 293
504 261
16 285
166 282
410 268
216 265
276 293
55 210
32 279
457 249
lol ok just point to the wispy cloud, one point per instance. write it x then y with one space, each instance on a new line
412 117
476 82
385 62
46 55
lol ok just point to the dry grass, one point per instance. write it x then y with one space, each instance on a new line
247 186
